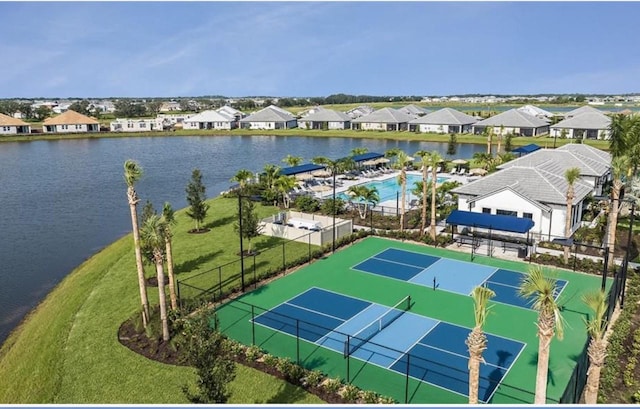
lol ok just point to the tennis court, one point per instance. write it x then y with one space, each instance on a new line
349 316
449 275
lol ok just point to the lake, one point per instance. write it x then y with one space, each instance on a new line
65 200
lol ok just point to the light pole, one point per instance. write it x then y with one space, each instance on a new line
240 233
626 257
333 171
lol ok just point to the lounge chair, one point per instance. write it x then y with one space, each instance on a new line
454 171
429 169
439 169
462 171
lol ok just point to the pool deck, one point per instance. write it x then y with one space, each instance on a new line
346 184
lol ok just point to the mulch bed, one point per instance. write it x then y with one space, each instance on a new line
153 281
199 231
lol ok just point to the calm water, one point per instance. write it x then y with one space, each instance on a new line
62 201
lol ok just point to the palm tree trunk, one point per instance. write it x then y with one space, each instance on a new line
545 334
597 353
144 301
424 199
489 143
172 286
433 205
499 143
477 343
162 297
567 229
404 192
613 221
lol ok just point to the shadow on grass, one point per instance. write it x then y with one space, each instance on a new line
192 264
287 393
220 222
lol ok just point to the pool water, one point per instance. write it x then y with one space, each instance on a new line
389 189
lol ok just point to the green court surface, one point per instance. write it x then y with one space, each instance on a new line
506 321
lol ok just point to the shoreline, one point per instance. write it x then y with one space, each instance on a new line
544 141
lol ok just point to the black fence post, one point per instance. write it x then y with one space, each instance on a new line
179 298
255 281
406 382
298 342
347 355
284 260
310 248
575 256
220 282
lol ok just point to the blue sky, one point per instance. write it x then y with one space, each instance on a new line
163 49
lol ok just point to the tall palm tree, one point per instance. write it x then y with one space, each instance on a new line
477 340
425 157
269 175
242 177
500 139
133 173
401 163
488 131
571 176
292 160
485 160
618 130
597 351
169 219
152 235
283 184
541 292
435 158
619 169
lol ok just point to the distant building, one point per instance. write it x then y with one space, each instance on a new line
537 112
13 126
515 122
587 125
70 122
385 119
210 120
325 119
137 125
170 106
271 117
414 111
445 120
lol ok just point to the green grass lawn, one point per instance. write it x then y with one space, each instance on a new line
67 351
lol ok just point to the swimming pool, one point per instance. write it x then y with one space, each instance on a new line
388 189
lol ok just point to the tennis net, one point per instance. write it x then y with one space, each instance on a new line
361 337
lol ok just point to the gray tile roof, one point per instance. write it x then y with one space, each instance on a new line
209 116
535 111
539 185
326 115
588 163
582 150
513 118
445 116
587 120
581 110
414 110
384 115
271 113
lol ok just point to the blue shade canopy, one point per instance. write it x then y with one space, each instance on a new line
532 147
490 221
294 170
366 156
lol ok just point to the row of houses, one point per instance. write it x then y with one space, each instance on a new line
533 186
585 122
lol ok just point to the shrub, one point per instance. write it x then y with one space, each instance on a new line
313 378
370 397
253 353
333 385
350 393
307 204
270 360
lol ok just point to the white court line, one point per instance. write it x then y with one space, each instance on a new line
416 343
310 310
283 302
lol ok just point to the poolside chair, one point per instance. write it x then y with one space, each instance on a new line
439 169
429 169
453 171
462 171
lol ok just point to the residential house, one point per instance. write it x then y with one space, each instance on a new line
231 112
170 106
362 110
537 112
271 117
445 120
138 125
385 119
582 110
515 122
70 122
587 125
414 111
323 118
13 126
210 120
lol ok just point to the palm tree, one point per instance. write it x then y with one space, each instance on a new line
597 351
571 176
619 169
152 235
500 139
402 160
169 220
283 184
365 196
541 291
477 340
292 160
242 177
425 156
429 159
133 173
618 130
359 151
488 131
269 175
485 160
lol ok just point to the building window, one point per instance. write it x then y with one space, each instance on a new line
78 126
486 210
506 212
143 125
6 128
527 215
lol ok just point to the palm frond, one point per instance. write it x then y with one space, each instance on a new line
132 172
481 296
540 291
596 324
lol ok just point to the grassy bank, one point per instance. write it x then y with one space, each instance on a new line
400 136
67 351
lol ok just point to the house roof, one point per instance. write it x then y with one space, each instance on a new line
536 184
535 111
414 110
70 118
589 163
586 120
229 111
445 116
6 120
513 118
581 110
326 115
588 152
304 168
271 113
532 147
209 116
384 115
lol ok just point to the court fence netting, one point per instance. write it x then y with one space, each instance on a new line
290 337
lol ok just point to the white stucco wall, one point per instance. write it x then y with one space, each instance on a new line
75 128
8 130
557 132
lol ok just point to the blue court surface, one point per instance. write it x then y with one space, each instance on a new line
431 351
449 275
